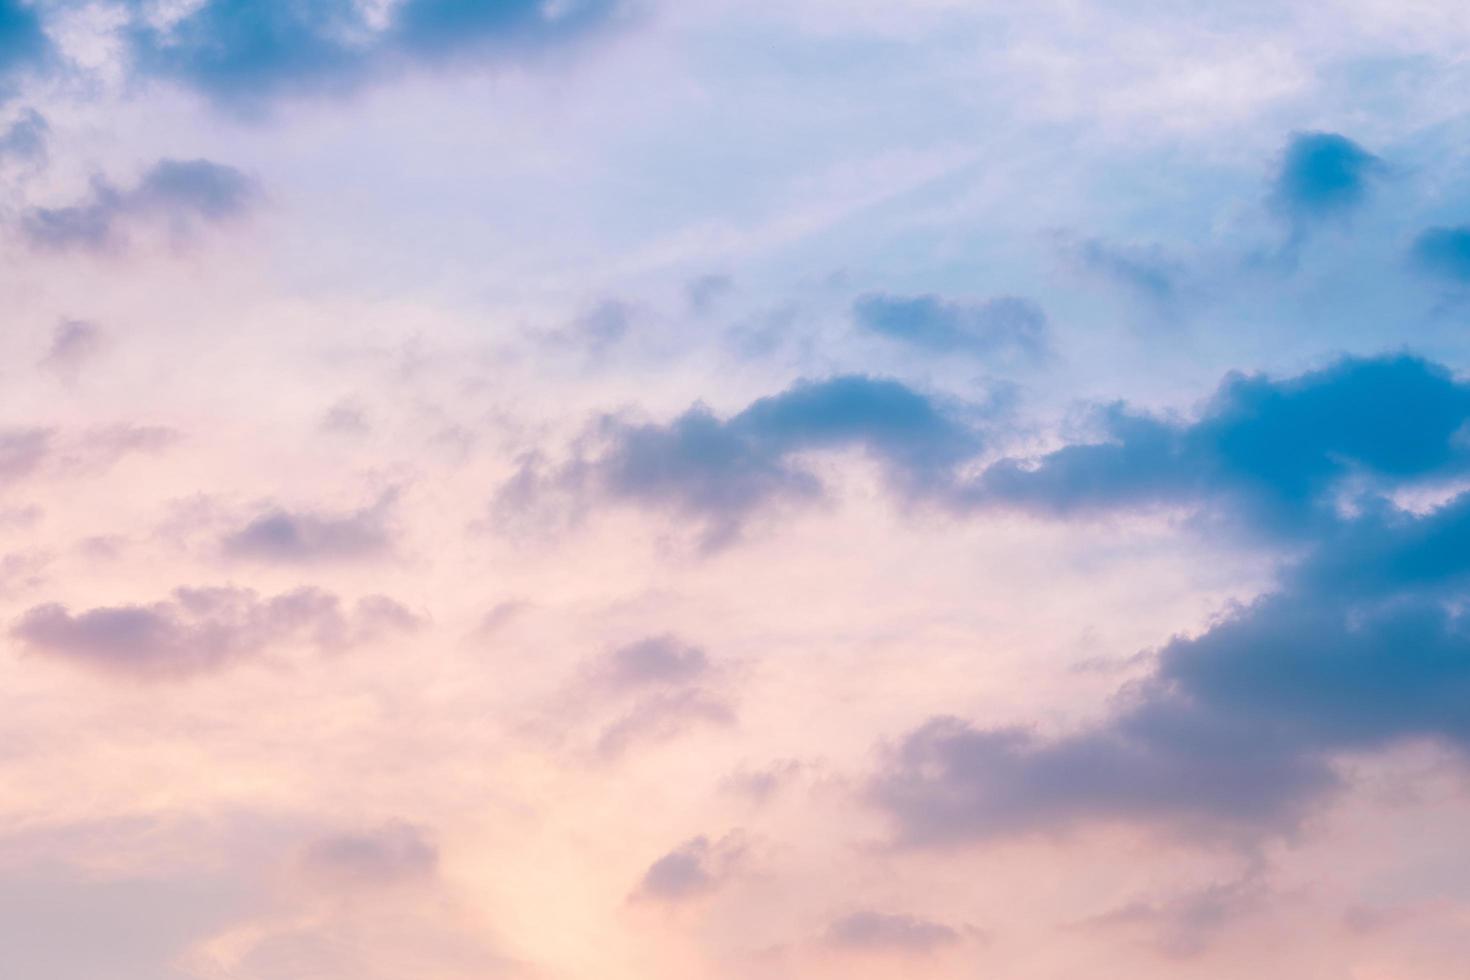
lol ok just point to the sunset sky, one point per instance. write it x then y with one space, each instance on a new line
717 490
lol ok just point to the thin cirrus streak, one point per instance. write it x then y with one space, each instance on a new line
629 489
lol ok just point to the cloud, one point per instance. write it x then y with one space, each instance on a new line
1444 252
658 688
760 785
25 450
703 293
1362 645
950 783
1185 925
1323 175
691 870
1273 453
105 446
26 138
22 450
878 931
1005 325
245 54
182 194
721 471
655 660
595 332
299 537
662 716
201 630
393 854
73 344
65 922
1144 273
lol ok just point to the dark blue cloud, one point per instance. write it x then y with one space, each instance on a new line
1444 252
1323 175
1363 644
434 29
181 194
721 471
1004 325
244 53
1274 453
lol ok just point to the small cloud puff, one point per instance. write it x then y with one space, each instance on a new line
299 537
202 630
1001 326
868 930
655 660
1322 176
22 450
690 871
182 194
663 684
393 854
25 139
1185 925
73 344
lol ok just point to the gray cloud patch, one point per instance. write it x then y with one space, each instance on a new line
25 139
183 195
722 471
662 716
201 630
22 451
655 660
691 870
1005 325
657 688
869 930
288 537
393 854
1144 273
73 344
1185 925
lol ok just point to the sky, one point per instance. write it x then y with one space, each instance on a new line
651 490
